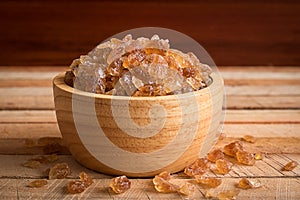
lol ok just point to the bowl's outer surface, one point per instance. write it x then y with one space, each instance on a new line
117 135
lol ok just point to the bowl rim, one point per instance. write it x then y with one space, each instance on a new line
59 82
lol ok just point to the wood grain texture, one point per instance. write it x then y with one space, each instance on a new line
233 32
28 126
276 183
273 114
281 188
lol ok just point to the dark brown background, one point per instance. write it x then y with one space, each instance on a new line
233 32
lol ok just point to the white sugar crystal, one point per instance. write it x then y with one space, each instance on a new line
137 82
155 37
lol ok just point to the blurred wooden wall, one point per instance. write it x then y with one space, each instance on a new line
233 32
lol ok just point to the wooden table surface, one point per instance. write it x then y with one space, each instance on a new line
261 101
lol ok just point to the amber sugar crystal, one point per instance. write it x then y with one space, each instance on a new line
165 175
248 184
199 167
209 182
187 189
248 138
46 158
228 194
223 166
36 162
76 186
245 158
32 164
224 195
258 156
162 184
215 155
150 90
86 179
290 166
232 148
37 183
59 171
120 184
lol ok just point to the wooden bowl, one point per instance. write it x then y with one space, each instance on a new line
138 136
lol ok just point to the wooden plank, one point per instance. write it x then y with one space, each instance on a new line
262 116
37 130
223 69
232 116
259 77
266 144
19 171
23 98
28 68
259 68
226 69
270 166
25 83
27 102
28 91
229 82
8 189
276 184
28 130
263 102
7 73
273 188
32 129
262 130
266 90
37 145
42 76
24 78
236 74
25 75
232 102
27 116
273 129
260 82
